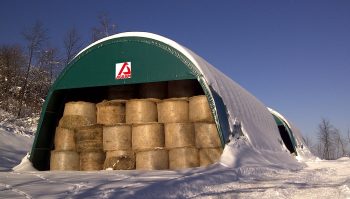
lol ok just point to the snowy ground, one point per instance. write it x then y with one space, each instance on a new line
319 179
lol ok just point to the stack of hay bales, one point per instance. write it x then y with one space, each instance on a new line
179 133
147 134
207 137
75 115
116 135
152 133
89 146
64 157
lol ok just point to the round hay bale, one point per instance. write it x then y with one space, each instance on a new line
111 112
89 146
128 91
147 136
173 110
85 109
74 121
207 135
156 90
179 135
182 88
182 158
92 132
64 161
199 110
141 111
64 139
209 156
92 161
120 160
117 137
152 160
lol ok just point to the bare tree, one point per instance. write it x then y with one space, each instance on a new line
35 36
49 61
325 137
72 44
105 28
340 144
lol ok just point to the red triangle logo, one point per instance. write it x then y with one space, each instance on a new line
125 67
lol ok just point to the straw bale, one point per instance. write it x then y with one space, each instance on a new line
89 146
120 160
92 161
147 136
209 156
173 110
123 92
64 160
154 90
199 110
207 135
179 135
141 111
85 109
74 121
182 158
111 112
64 139
117 137
152 160
92 132
182 88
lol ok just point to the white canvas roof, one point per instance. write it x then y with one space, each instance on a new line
259 127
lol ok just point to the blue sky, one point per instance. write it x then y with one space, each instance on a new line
292 55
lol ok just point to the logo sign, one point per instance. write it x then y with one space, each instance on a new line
123 70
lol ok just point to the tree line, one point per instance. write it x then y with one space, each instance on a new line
331 143
28 70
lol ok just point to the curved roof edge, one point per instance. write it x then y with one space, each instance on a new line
145 35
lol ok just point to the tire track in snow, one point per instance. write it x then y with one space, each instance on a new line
74 189
11 188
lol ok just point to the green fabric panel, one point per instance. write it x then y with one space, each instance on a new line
151 61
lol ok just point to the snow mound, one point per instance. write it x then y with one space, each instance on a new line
25 165
13 147
16 138
240 153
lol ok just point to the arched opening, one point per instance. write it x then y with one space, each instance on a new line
286 134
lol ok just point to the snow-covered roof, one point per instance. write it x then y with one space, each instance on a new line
258 124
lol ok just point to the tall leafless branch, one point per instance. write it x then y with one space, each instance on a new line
72 44
35 37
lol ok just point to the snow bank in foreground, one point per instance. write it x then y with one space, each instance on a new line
12 148
320 179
